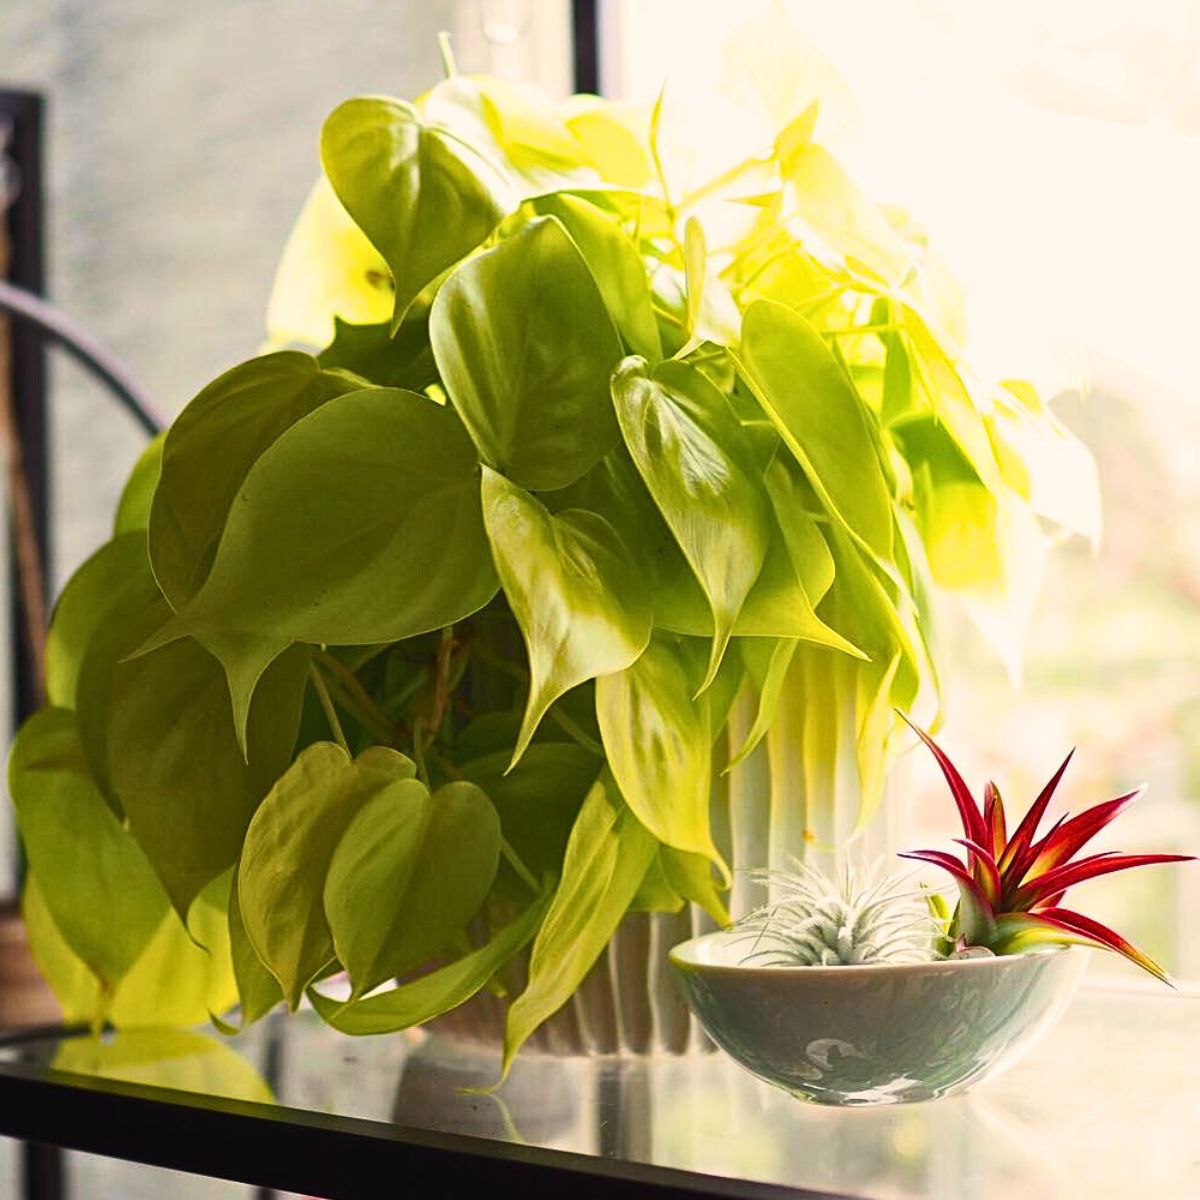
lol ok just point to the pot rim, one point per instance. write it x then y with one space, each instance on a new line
681 957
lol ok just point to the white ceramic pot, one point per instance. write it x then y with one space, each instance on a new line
883 1033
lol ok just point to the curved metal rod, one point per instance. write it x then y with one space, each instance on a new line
84 348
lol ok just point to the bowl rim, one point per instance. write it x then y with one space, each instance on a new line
680 958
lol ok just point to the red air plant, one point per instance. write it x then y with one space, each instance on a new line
1011 888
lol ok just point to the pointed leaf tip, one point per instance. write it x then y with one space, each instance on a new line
968 810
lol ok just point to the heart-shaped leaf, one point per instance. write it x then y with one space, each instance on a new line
607 858
175 765
95 881
407 875
658 746
690 450
525 346
573 588
286 855
211 446
424 197
362 524
812 403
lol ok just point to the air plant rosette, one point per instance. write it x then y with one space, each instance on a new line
866 988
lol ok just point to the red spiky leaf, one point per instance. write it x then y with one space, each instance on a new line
1067 839
975 919
1015 859
968 809
994 820
984 870
1093 932
1069 874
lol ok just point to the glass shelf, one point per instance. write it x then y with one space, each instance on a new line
1107 1106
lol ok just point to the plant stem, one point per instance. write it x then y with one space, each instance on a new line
449 66
513 859
376 719
715 184
335 726
573 731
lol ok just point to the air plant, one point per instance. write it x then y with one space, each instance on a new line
1011 888
854 918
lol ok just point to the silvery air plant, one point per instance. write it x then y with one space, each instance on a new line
840 919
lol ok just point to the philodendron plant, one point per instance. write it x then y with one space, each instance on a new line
417 653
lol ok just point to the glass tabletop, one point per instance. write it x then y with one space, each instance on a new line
1108 1105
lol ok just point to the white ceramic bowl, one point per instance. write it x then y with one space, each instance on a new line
875 1034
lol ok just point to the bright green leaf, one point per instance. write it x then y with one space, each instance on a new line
607 858
286 855
362 524
423 197
407 875
525 347
576 593
422 999
95 880
690 451
813 405
658 748
209 449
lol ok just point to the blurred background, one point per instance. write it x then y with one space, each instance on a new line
1051 150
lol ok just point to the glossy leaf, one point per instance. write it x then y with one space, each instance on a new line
407 875
525 347
424 198
616 266
210 448
812 404
287 851
93 877
607 857
174 761
657 742
422 999
689 449
575 591
361 524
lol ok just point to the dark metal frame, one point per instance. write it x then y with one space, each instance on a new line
329 1156
23 113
